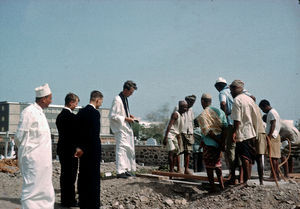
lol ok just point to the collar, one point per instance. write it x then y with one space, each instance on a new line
38 107
68 109
122 95
92 105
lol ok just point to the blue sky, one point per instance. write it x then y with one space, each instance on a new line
169 48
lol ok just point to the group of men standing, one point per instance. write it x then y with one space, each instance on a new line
236 128
247 137
179 137
79 144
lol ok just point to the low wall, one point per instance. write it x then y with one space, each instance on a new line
150 155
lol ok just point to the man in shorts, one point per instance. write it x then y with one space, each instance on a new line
172 138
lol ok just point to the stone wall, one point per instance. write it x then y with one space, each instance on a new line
148 155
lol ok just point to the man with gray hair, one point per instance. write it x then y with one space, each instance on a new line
213 123
187 133
33 139
244 115
290 132
226 102
172 139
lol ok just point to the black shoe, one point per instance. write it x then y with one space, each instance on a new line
130 174
70 205
122 175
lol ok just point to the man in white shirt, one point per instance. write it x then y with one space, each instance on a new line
187 133
172 139
272 131
245 120
290 132
33 139
226 102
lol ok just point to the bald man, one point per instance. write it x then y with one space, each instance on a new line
172 137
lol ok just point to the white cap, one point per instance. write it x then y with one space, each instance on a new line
221 80
206 96
42 91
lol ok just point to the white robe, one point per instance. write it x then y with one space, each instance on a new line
125 152
33 139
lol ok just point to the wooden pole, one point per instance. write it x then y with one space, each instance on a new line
185 176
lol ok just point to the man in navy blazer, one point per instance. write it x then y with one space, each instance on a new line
89 152
66 147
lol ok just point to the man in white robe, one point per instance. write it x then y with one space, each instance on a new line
121 121
33 139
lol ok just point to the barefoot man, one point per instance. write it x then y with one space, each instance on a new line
172 136
212 122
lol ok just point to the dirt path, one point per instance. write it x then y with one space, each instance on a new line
152 193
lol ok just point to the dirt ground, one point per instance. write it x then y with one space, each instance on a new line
153 193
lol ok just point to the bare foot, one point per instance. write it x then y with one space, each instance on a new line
261 182
231 182
187 171
221 186
179 171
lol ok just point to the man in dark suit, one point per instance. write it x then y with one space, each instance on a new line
66 147
89 152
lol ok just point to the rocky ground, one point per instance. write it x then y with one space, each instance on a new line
153 193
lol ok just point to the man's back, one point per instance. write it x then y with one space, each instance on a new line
244 111
66 126
89 170
288 130
89 128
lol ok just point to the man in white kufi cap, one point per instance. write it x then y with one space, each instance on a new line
33 139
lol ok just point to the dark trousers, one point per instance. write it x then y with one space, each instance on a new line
89 183
69 167
198 161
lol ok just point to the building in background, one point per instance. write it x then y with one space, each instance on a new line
10 116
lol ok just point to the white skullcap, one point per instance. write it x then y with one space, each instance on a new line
42 91
221 80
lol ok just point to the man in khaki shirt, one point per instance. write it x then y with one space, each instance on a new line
245 120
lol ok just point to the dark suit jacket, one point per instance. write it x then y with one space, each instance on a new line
67 129
89 131
89 168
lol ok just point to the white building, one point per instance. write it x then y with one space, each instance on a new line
10 116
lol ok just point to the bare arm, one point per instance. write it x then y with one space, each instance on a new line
272 128
236 126
174 117
223 107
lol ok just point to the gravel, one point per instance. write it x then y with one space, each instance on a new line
153 193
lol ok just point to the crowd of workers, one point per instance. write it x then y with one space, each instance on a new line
236 128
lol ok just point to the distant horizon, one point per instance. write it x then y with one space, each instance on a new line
170 48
